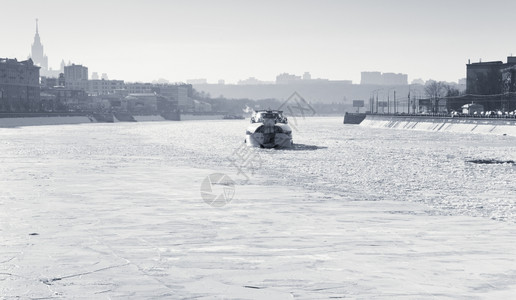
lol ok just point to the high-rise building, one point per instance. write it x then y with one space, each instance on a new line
37 54
40 59
76 77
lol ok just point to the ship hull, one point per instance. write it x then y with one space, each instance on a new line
277 136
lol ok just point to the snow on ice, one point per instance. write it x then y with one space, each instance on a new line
114 211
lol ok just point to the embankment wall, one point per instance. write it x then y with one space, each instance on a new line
444 124
36 121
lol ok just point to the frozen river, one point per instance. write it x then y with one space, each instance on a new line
116 211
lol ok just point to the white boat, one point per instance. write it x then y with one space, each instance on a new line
269 129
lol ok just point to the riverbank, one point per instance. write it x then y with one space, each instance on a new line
37 119
498 126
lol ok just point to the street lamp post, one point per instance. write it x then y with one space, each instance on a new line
376 102
395 105
408 103
388 100
413 102
373 105
388 103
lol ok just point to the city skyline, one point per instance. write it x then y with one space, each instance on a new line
236 40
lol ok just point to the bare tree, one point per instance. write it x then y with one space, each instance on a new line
435 90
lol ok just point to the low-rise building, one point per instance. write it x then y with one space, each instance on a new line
138 88
492 77
142 103
178 94
495 81
49 82
19 86
70 99
99 87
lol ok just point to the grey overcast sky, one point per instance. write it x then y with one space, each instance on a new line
137 40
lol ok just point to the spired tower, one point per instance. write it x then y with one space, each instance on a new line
37 55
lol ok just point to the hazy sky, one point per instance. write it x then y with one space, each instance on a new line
236 39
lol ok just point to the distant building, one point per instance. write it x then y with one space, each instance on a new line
49 82
176 93
306 79
94 76
197 81
76 77
161 81
200 106
48 101
253 81
104 87
286 78
373 78
378 78
394 79
69 99
61 79
138 88
37 53
39 58
142 103
249 81
418 81
19 86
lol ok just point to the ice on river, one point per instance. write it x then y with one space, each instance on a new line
114 211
